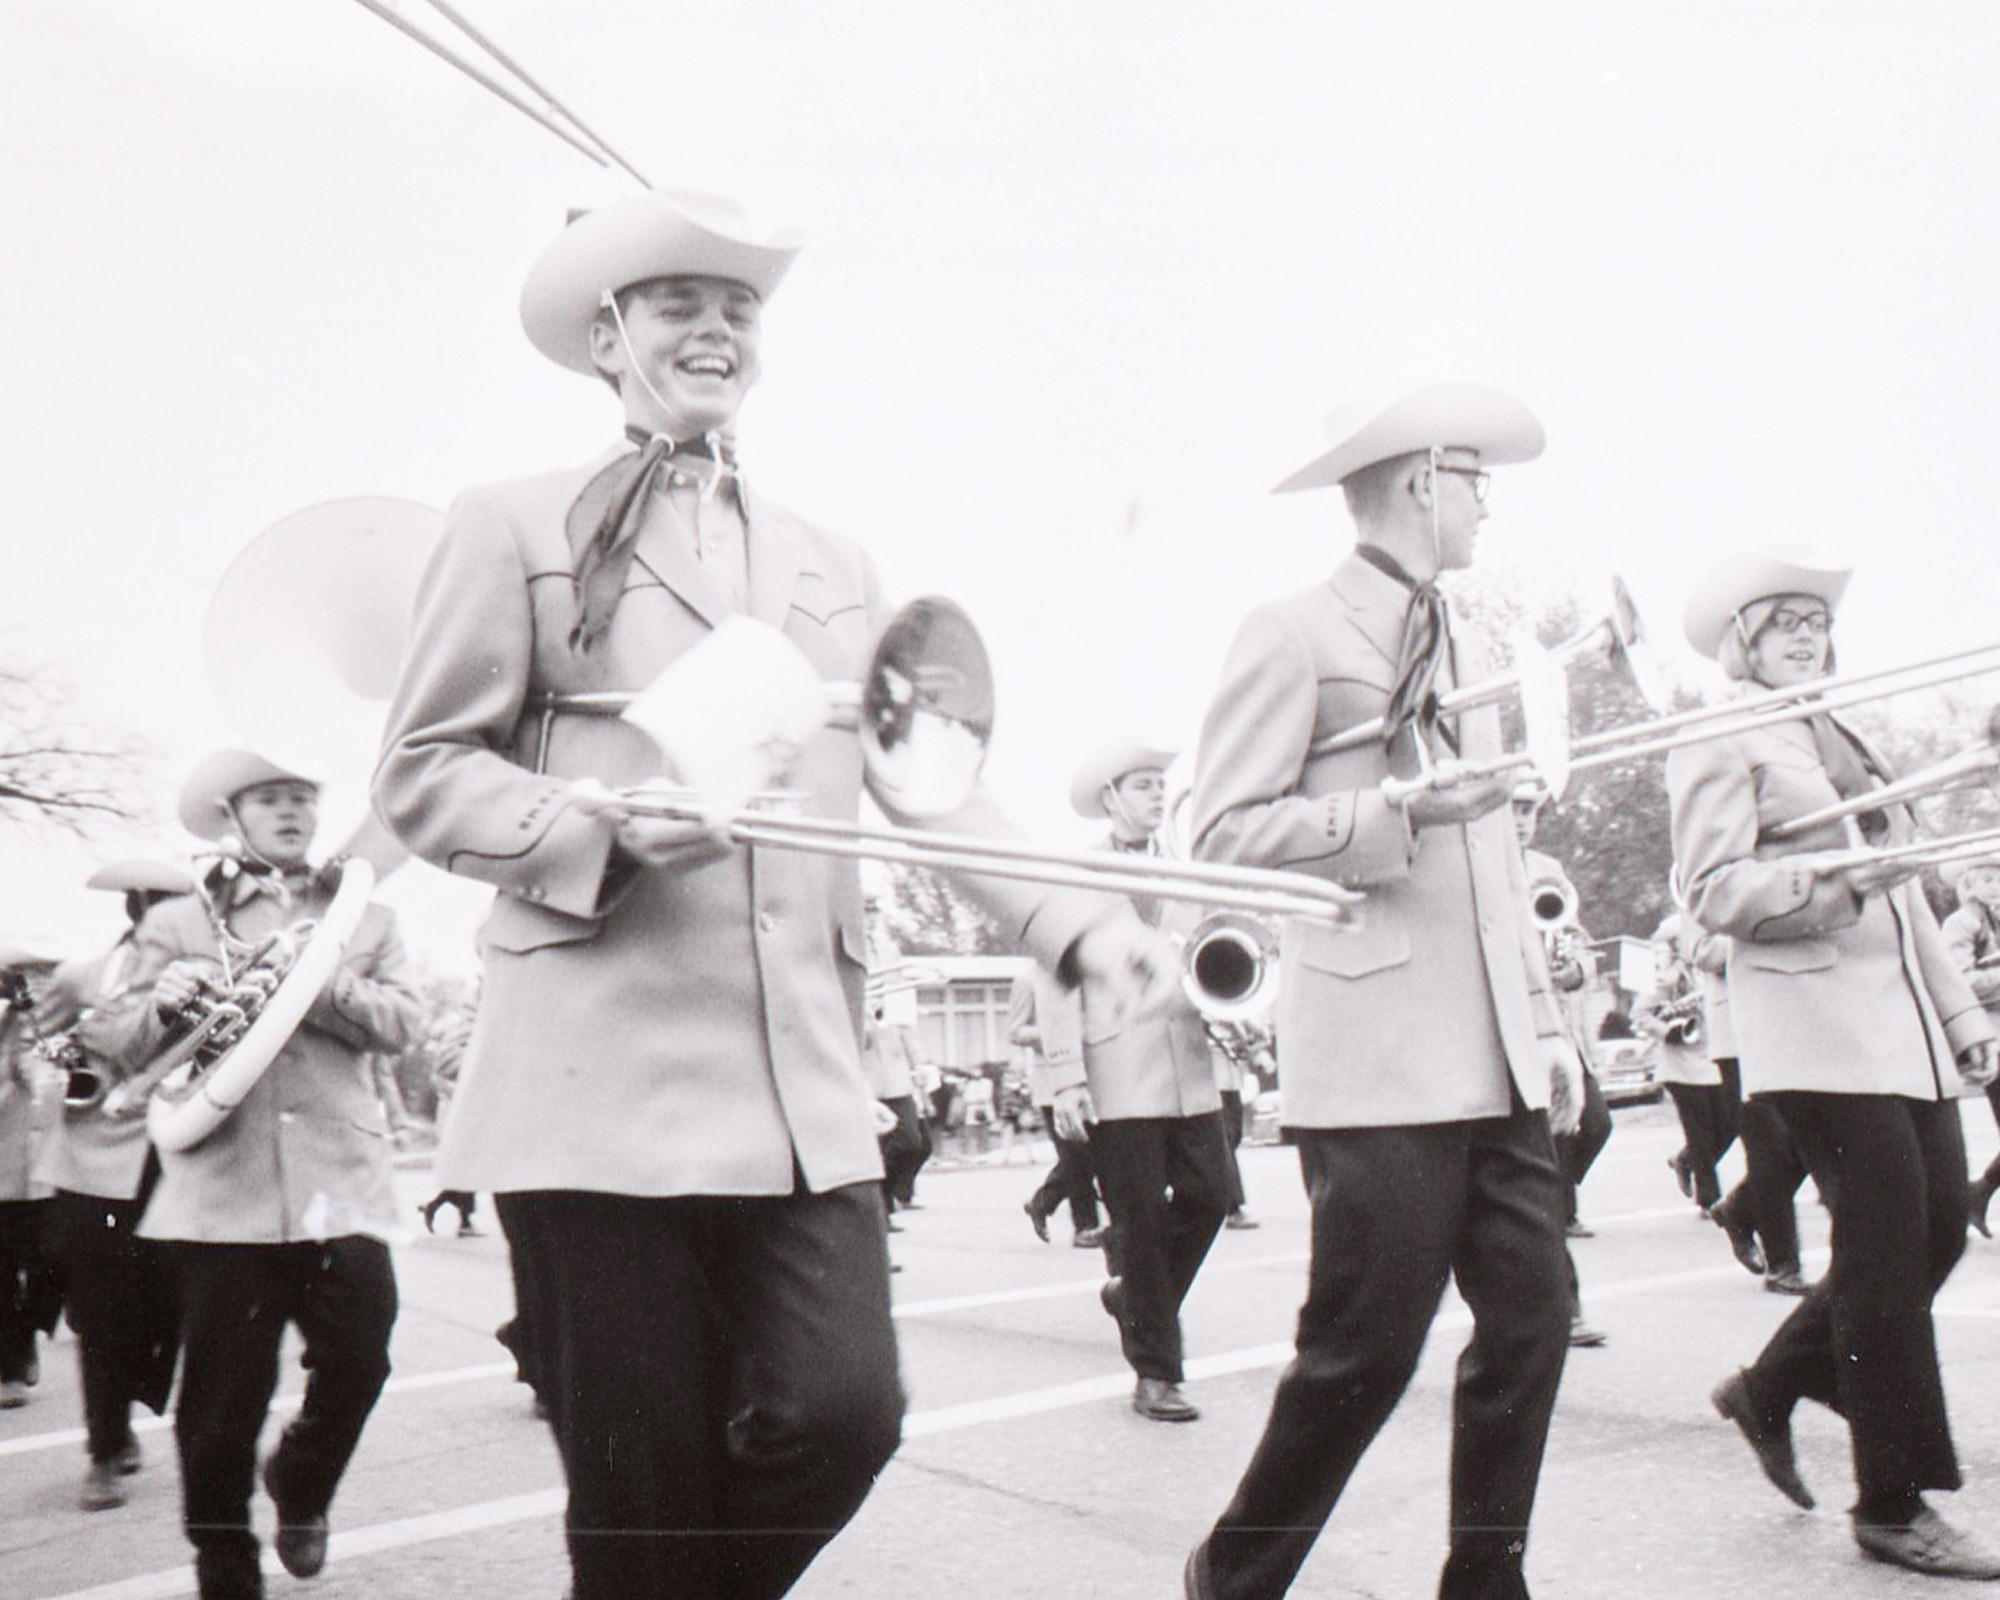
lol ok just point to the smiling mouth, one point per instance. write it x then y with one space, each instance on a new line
707 366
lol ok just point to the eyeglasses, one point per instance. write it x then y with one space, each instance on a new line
1481 480
1787 621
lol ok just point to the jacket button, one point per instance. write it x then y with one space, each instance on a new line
766 922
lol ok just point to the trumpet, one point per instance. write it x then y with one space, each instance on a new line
83 1085
1554 903
1229 968
1680 1020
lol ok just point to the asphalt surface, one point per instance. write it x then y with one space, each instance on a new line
1024 1471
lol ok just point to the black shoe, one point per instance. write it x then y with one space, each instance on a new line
1576 1228
128 1458
1194 1576
1785 1280
1088 1238
1162 1401
1930 1545
1241 1221
1772 1441
1677 1163
1582 1336
429 1213
1037 1219
300 1540
1979 1194
1742 1239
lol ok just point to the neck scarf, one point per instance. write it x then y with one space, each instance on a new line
603 525
1425 644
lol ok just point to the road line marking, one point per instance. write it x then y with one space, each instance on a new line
386 1536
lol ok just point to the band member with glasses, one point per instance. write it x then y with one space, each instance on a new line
1972 933
1421 1050
118 1289
1852 1018
283 1214
1143 1092
664 1088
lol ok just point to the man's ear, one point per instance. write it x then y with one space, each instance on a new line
607 350
1422 483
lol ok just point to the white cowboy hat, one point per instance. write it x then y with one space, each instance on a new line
1952 872
1108 765
1750 575
218 779
141 875
651 235
1443 416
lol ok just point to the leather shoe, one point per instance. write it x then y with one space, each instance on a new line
1162 1401
1241 1221
1979 1194
1578 1229
300 1541
1036 1220
1771 1441
1582 1336
1088 1238
1785 1280
1929 1545
13 1393
1742 1239
129 1457
1677 1163
103 1490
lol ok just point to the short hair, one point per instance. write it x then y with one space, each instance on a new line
1370 489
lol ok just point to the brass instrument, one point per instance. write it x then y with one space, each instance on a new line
1229 968
1681 1020
1554 903
1976 764
83 1085
213 1023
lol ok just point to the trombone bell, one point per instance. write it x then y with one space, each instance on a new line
1229 967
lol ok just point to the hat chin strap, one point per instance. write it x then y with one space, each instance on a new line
713 481
1437 537
1116 809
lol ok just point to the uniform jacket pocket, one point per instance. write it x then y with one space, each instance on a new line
1356 953
518 925
1787 955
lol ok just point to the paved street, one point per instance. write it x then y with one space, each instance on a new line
1024 1473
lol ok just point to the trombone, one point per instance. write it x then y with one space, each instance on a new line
1975 764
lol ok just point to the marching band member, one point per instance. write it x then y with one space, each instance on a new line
664 1088
1972 934
1073 1179
30 1290
1851 1016
1566 949
889 1059
283 1214
1142 1090
118 1288
1419 1050
1673 1014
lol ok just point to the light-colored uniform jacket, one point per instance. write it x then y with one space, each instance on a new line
87 1152
686 1030
1677 1062
306 1156
1827 991
1972 938
1436 1007
28 1092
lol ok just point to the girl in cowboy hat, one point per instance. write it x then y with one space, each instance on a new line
1851 1017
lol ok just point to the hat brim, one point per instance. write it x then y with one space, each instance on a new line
1751 575
632 241
219 778
1108 765
1491 423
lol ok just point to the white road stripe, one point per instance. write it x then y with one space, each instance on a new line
383 1536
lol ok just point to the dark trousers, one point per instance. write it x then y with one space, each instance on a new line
905 1149
235 1302
1991 1176
119 1297
1575 1152
1073 1179
1862 1342
30 1287
1395 1211
1232 1137
721 1378
1166 1184
1773 1171
1708 1113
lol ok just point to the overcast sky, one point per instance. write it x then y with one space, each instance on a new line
1083 279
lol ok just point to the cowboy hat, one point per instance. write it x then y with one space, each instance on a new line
140 875
25 952
1953 872
651 235
1442 416
218 779
1750 575
1108 765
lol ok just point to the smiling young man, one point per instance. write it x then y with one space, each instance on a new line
284 1213
1421 1051
664 1088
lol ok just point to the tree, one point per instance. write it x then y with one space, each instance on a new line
927 916
55 768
